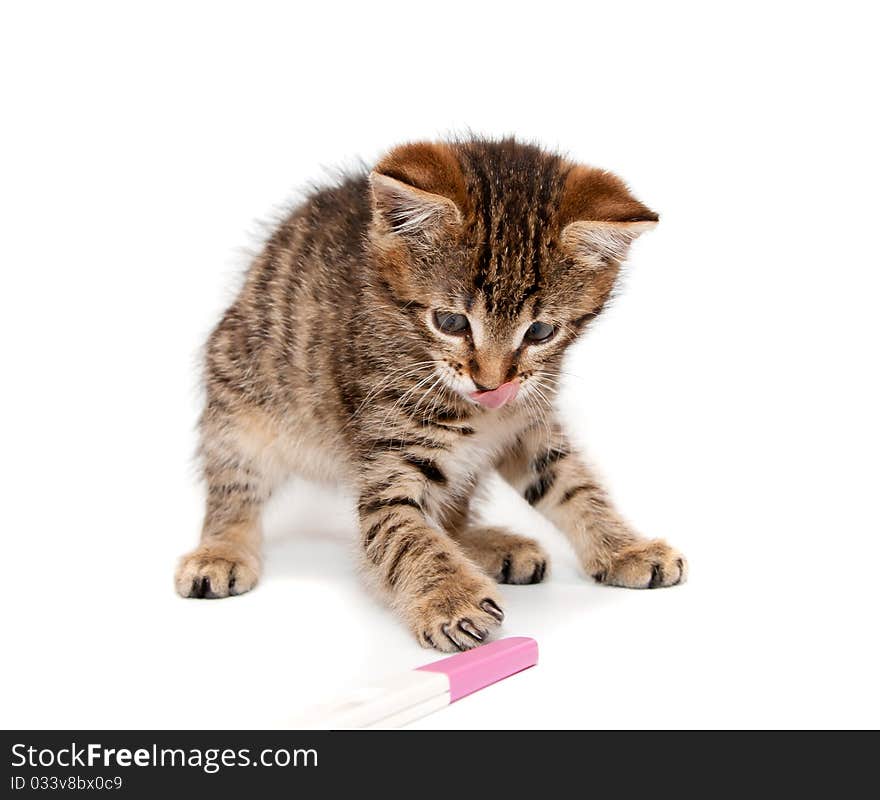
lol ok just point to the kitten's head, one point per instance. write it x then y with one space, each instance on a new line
502 252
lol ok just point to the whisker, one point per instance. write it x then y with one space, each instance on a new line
394 374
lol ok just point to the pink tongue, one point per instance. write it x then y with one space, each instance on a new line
497 397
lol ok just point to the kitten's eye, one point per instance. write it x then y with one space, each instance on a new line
450 323
539 332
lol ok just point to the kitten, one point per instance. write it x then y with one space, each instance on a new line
402 332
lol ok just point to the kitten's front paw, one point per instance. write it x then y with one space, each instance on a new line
645 565
217 570
459 614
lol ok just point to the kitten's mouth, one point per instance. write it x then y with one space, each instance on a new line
497 397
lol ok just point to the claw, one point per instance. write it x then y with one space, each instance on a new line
201 588
490 607
468 627
538 574
445 630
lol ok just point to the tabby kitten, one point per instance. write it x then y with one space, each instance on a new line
402 332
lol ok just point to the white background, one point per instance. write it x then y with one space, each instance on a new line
730 397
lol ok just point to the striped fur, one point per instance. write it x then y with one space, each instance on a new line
330 364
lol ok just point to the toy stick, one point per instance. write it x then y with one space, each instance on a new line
398 700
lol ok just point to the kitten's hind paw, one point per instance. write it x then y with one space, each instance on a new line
507 557
216 570
645 565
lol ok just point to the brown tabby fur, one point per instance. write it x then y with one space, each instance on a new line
329 365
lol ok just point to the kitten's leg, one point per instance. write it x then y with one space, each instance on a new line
239 481
557 482
446 601
505 556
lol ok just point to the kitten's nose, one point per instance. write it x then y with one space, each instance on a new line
489 370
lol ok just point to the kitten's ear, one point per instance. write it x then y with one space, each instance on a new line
417 190
609 240
402 209
600 218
